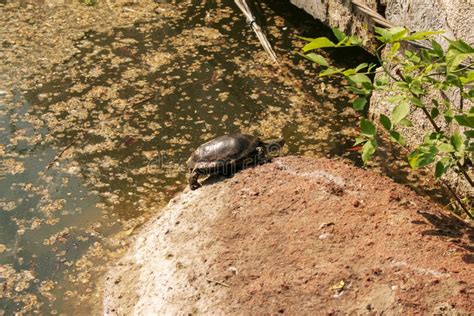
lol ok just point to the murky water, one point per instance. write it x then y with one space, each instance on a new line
88 156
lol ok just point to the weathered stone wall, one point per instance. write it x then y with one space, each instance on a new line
341 14
455 17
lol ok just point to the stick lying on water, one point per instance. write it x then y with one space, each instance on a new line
242 4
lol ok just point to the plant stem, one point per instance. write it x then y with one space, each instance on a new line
430 119
456 197
438 130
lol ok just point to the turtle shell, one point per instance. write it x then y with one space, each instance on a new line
223 150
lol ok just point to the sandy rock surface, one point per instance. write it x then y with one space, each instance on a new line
298 235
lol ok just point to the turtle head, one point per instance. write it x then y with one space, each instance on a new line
273 146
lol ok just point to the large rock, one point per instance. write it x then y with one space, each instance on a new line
297 236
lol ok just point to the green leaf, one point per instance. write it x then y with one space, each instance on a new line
359 103
397 33
338 33
401 85
458 51
428 57
392 34
413 57
400 112
437 49
395 99
460 46
453 80
385 121
368 150
470 149
406 122
416 88
467 78
358 91
384 34
445 148
440 169
316 58
371 66
354 40
397 137
344 41
431 138
349 72
359 140
320 42
367 128
381 81
330 71
442 166
395 47
361 66
416 102
422 156
308 39
457 141
448 115
470 94
428 69
469 134
434 113
421 35
465 120
361 79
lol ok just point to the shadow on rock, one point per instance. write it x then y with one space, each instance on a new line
449 226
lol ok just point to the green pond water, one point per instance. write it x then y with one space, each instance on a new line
90 155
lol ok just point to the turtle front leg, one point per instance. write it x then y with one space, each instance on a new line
261 155
193 180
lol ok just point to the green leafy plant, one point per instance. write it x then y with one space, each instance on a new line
410 74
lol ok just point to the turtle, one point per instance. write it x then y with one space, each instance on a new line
227 154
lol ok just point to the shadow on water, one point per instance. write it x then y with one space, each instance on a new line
119 119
